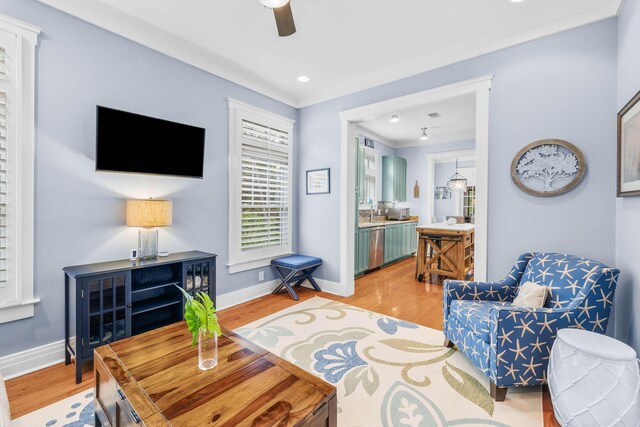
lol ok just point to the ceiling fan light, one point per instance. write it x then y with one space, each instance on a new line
274 3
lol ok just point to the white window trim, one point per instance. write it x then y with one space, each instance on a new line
237 109
27 39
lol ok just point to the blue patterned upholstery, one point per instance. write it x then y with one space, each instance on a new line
511 344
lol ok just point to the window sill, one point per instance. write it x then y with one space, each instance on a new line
17 311
250 265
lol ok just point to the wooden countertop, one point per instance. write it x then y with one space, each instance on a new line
445 229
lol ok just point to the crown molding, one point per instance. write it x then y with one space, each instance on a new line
187 52
409 69
164 43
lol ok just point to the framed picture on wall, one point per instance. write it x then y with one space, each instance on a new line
629 149
319 181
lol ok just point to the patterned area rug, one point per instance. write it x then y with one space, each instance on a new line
74 411
388 372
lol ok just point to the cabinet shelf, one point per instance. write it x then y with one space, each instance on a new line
154 303
152 286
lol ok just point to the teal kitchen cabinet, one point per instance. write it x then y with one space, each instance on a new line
360 175
361 236
394 179
399 241
413 242
362 251
392 242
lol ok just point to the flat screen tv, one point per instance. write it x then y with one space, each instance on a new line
132 143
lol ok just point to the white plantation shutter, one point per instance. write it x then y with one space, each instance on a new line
260 186
265 186
17 101
8 288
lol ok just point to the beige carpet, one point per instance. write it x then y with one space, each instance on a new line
388 372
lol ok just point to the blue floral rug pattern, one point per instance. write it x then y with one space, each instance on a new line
388 372
74 411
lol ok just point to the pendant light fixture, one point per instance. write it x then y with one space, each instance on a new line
457 181
424 135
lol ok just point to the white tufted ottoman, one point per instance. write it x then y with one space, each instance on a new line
593 380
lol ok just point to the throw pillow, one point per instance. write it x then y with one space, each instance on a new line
531 295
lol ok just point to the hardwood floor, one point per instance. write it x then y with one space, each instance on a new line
392 291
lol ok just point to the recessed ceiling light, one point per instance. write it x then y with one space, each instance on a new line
516 1
424 135
395 119
274 3
303 79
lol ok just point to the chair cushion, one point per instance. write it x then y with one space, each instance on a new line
475 316
531 295
296 262
564 275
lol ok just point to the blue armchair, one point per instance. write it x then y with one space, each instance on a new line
511 344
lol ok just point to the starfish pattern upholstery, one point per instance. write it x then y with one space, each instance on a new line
511 345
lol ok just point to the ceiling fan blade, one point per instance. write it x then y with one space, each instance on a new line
284 20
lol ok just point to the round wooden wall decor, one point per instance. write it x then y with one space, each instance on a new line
548 167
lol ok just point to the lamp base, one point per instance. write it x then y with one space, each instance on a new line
147 243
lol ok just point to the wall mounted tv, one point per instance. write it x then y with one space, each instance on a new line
132 143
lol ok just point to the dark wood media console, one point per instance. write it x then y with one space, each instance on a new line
108 301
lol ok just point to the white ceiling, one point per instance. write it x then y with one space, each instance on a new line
457 122
342 45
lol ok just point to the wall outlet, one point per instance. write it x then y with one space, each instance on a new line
261 276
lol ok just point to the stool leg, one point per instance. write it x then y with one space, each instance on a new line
313 282
292 292
285 283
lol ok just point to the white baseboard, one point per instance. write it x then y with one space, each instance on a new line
330 287
247 294
34 359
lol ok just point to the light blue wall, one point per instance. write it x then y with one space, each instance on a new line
417 170
562 86
627 300
79 212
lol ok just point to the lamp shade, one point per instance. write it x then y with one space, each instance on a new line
149 212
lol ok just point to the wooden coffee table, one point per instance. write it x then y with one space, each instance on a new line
153 379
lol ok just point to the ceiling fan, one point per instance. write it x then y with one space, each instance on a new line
283 15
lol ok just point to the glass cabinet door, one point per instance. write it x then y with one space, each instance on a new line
106 304
198 276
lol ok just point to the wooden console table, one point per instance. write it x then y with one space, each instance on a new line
446 251
109 301
153 380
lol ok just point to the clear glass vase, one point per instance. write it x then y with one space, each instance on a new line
207 350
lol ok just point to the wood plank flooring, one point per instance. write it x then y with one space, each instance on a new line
392 291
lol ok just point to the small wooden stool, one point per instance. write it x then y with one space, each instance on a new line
295 268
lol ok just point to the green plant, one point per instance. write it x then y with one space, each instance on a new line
200 314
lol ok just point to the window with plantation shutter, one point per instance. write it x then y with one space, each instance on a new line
17 89
260 186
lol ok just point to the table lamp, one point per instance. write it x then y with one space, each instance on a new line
148 214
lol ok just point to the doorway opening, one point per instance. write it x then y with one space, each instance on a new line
357 126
